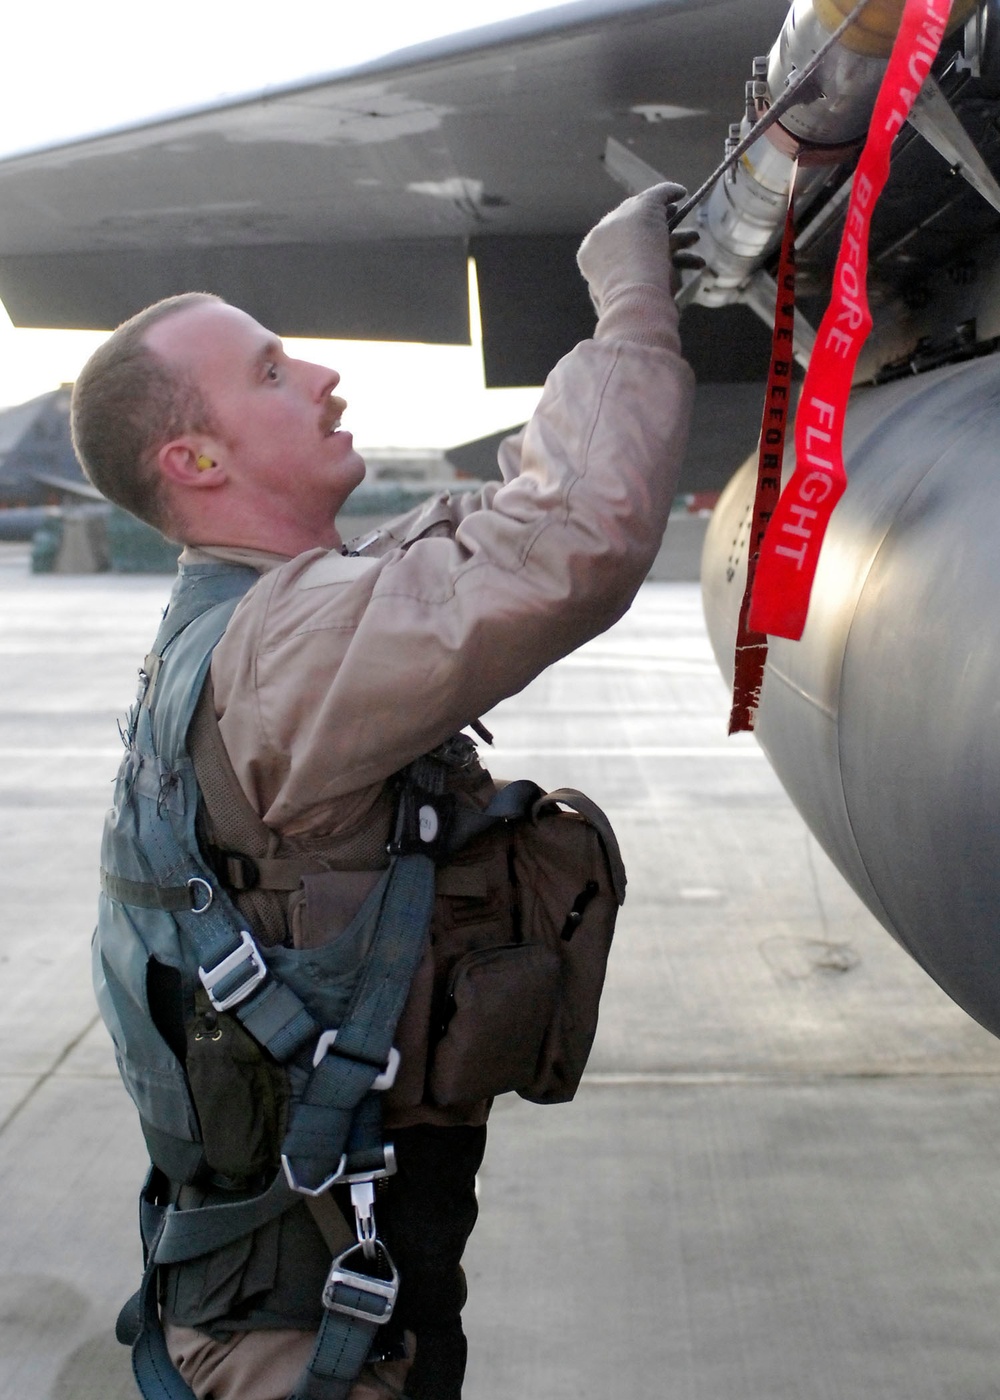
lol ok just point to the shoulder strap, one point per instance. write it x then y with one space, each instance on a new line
588 809
173 689
241 847
197 589
522 799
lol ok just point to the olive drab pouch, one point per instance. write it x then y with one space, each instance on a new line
519 1010
240 1094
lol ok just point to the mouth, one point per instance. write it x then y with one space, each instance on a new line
330 422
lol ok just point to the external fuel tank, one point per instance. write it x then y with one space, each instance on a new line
883 722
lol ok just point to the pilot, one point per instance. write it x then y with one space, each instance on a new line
339 666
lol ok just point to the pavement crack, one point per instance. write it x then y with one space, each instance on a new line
44 1078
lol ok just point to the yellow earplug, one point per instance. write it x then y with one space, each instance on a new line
204 464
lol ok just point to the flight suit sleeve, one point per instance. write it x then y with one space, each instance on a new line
334 673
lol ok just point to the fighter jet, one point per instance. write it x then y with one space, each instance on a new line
350 205
39 473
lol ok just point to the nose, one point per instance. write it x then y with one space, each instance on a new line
320 379
326 380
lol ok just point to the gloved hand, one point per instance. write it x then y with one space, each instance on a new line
632 246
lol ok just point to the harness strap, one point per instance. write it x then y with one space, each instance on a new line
354 1313
187 1234
320 1128
149 896
511 803
278 1021
587 807
155 1374
139 1324
242 872
355 1306
335 1130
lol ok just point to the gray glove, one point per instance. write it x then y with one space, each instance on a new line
632 246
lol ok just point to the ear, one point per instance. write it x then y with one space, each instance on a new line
191 464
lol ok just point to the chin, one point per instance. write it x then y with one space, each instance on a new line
350 476
359 470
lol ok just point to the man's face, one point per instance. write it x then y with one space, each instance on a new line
277 418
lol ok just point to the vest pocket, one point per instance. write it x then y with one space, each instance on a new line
240 1094
502 1001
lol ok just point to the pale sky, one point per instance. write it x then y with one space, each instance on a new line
74 69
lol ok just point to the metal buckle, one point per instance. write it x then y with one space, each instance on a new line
363 1201
383 1081
210 978
235 869
374 1173
342 1177
362 1186
296 1185
383 1291
196 884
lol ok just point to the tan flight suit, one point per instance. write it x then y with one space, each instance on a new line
336 671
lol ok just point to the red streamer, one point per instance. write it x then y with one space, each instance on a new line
751 646
791 548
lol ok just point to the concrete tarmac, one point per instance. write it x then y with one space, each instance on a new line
779 1179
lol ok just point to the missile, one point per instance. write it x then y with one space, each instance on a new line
740 224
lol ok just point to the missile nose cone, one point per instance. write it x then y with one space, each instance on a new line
874 30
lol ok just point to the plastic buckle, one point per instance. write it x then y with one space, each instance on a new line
363 1201
383 1081
211 977
423 822
381 1292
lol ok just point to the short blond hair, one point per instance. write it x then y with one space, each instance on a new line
127 402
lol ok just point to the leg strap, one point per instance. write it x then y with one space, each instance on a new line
139 1320
358 1299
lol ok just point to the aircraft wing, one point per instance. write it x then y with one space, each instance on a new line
79 490
347 206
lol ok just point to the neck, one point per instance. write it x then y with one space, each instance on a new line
280 533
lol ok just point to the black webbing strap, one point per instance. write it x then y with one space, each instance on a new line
513 802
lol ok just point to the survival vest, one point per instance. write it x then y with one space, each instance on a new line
216 1020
